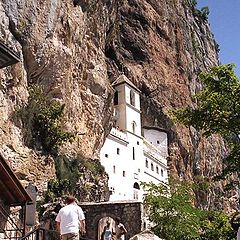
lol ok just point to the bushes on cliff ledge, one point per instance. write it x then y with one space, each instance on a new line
41 120
81 177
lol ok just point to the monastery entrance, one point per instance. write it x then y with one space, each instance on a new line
130 213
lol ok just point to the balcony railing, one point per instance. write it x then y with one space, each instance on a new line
118 133
154 152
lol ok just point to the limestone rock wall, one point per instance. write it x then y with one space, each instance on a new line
76 48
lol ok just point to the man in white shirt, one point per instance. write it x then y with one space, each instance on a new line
70 220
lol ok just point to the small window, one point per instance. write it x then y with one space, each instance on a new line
118 151
158 142
133 153
157 170
139 170
132 98
134 125
106 155
161 172
124 174
136 186
146 163
137 142
152 168
114 169
116 98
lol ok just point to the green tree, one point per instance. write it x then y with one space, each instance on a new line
216 225
171 211
217 111
41 117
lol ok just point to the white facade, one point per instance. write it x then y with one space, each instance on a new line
127 156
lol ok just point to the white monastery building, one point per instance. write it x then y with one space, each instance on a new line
132 154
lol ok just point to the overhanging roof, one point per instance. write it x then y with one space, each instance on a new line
11 190
7 56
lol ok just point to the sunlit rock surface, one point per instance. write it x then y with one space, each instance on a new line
75 49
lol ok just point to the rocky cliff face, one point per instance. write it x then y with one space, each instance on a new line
76 48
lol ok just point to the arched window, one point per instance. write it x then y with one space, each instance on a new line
132 98
161 172
157 170
152 168
109 218
136 186
136 189
146 163
134 125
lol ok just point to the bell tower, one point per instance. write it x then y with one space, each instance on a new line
127 112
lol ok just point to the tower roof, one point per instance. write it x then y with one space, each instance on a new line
123 79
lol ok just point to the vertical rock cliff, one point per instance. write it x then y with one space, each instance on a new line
76 48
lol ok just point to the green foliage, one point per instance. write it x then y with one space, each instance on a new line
192 3
218 111
174 216
201 187
69 170
43 118
172 212
201 14
217 47
201 183
69 167
94 166
205 12
57 188
216 225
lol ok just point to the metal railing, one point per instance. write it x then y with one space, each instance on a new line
44 234
40 233
12 230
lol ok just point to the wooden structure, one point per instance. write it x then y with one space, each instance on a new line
12 194
7 56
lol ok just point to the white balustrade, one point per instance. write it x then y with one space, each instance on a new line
154 152
118 133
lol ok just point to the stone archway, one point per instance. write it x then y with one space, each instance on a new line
102 223
130 213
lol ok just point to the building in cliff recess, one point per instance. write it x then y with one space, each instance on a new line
132 154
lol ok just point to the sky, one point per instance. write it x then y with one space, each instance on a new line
224 19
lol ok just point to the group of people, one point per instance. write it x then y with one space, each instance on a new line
109 234
70 221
